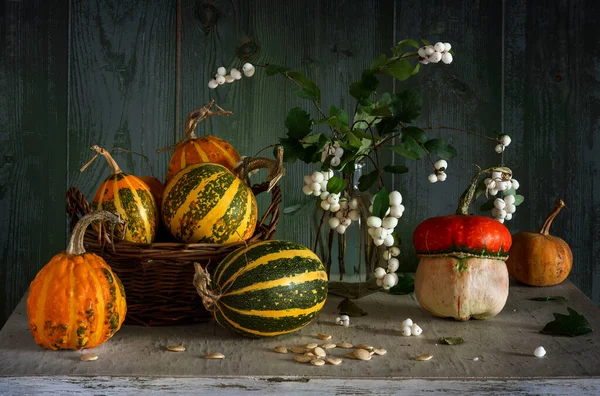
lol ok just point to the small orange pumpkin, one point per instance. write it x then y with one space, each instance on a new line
76 301
538 258
156 187
193 150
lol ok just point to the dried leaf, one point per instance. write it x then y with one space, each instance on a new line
574 324
347 307
451 340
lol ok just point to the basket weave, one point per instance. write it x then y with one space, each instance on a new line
158 277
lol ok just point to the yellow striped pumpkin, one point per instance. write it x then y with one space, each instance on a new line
129 197
76 301
207 203
269 288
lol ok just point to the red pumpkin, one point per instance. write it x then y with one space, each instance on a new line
461 272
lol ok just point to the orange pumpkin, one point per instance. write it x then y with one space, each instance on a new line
193 150
76 301
156 187
538 258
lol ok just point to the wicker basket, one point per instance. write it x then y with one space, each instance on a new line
158 277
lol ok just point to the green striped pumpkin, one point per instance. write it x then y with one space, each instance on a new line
269 289
207 203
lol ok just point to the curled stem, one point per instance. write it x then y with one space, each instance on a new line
467 196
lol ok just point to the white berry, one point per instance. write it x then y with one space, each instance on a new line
442 176
333 198
341 229
441 165
395 251
377 241
508 216
509 199
220 79
422 52
406 331
429 50
325 205
354 215
235 73
439 47
379 272
397 211
416 330
317 177
389 222
249 73
435 57
247 66
379 282
395 198
447 58
407 322
212 84
432 178
222 71
374 221
353 203
393 264
335 161
388 240
515 184
539 352
499 148
387 255
499 203
339 152
447 47
389 280
307 190
333 222
334 207
510 209
505 140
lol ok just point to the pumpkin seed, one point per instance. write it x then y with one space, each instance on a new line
327 345
88 357
334 361
317 362
280 349
303 358
350 355
427 356
215 355
323 336
380 351
319 351
345 345
362 354
176 348
312 345
365 346
298 350
312 355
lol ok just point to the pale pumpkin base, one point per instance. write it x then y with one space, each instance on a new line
462 288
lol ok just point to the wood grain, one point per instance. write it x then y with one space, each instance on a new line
33 114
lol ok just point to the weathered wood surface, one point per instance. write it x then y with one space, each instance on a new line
138 360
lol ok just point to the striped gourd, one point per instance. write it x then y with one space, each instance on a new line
129 197
76 301
207 203
202 149
269 289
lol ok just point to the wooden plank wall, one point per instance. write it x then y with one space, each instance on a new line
111 81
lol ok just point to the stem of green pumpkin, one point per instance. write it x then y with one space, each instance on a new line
466 197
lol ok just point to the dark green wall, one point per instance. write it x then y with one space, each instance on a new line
79 73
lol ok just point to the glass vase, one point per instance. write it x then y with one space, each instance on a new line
350 258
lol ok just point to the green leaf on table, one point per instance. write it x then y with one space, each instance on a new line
347 307
272 69
387 125
574 324
441 148
366 181
397 169
450 340
336 185
406 106
381 203
519 199
406 285
549 298
489 205
308 89
400 70
298 123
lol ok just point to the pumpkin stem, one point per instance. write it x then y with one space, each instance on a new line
194 118
75 246
111 161
275 166
202 282
558 205
467 196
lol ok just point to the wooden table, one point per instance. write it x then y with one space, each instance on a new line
497 355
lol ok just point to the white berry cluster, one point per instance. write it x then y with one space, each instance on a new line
346 211
409 328
435 53
234 74
440 172
381 230
504 208
343 320
334 150
387 277
316 183
504 141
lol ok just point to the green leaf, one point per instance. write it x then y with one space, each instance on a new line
549 298
450 340
340 114
336 185
308 90
406 285
406 106
347 307
378 62
387 125
480 189
510 191
365 87
574 324
409 145
381 203
416 133
440 148
292 149
489 205
519 199
407 153
298 123
425 42
380 110
408 43
397 169
401 69
271 69
366 181
417 68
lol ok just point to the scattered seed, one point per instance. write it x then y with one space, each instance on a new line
324 336
176 348
280 349
317 362
311 345
346 345
309 354
303 358
319 352
327 345
380 351
215 356
427 356
362 354
88 357
476 358
350 355
365 346
334 361
298 350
